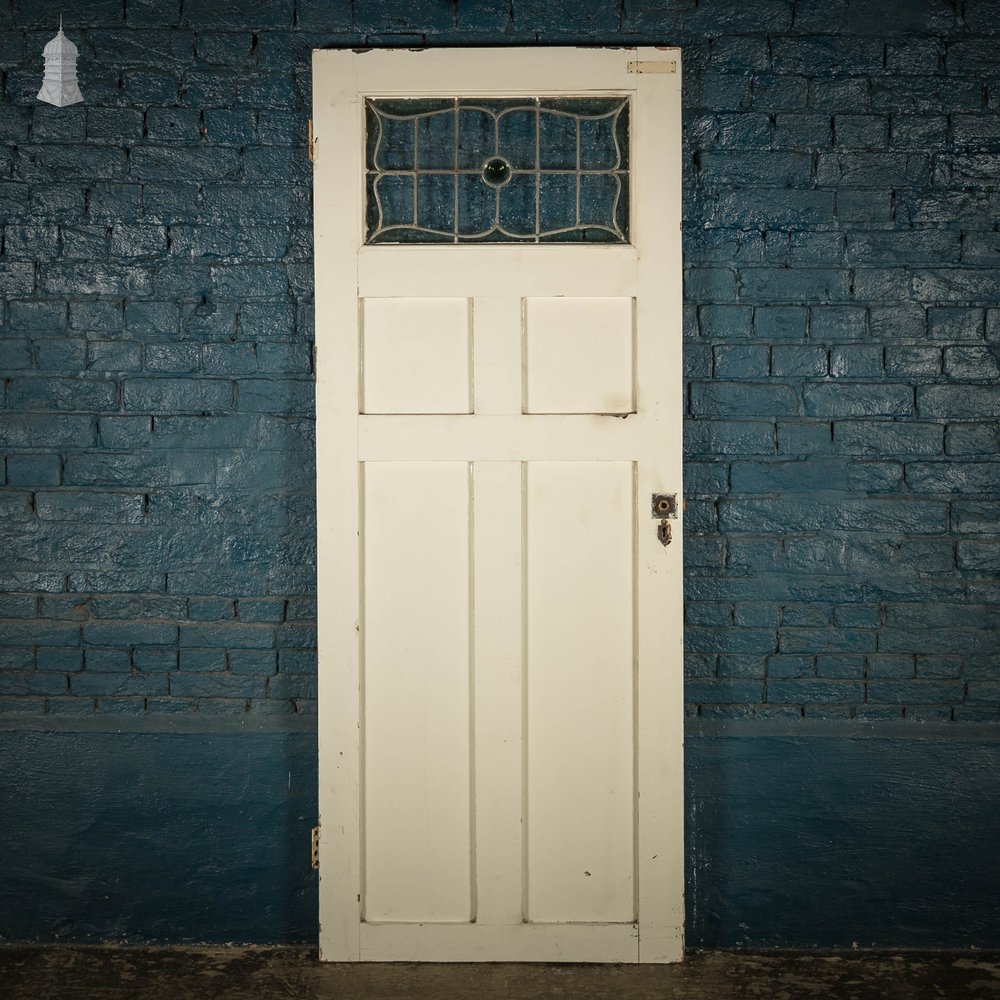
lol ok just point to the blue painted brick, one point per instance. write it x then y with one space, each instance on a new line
741 665
748 554
176 395
730 640
979 556
18 606
227 127
756 169
740 130
789 667
722 399
914 247
802 130
854 131
275 395
107 660
704 551
857 616
939 667
803 361
839 666
779 323
224 48
261 611
47 430
32 683
984 692
116 469
724 321
809 691
846 400
700 516
913 362
114 125
951 324
65 354
227 636
136 241
865 205
123 433
856 361
44 317
880 437
207 431
297 661
741 361
972 439
259 662
179 359
197 660
129 634
923 131
58 660
894 665
804 438
958 401
710 284
154 660
697 361
727 691
33 470
211 609
230 359
971 363
755 613
173 125
15 355
961 478
915 691
112 356
780 285
721 437
221 685
708 613
292 686
834 640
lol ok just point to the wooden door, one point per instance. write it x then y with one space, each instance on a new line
498 292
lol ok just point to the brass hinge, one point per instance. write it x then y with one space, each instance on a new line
312 143
315 847
653 66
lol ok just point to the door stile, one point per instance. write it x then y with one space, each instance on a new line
660 696
337 226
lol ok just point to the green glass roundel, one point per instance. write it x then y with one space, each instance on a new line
496 171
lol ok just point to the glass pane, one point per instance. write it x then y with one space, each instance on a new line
522 169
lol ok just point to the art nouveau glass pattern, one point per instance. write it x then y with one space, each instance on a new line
513 170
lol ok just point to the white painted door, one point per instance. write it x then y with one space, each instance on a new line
499 622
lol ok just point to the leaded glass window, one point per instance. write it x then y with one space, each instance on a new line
525 170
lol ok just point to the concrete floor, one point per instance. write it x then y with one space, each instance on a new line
113 973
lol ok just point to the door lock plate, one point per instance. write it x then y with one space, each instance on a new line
664 505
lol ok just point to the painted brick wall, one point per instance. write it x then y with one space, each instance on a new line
842 192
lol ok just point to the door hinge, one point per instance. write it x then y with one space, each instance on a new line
315 847
312 143
653 66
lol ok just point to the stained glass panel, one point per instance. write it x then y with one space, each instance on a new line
524 170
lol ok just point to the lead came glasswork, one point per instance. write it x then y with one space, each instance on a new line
522 170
